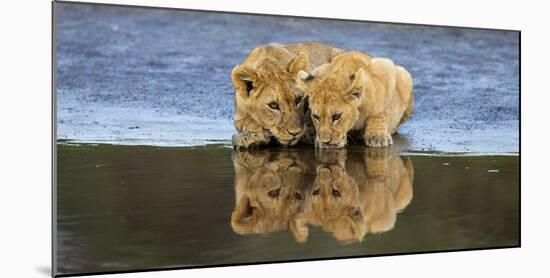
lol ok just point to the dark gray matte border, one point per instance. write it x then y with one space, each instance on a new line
54 145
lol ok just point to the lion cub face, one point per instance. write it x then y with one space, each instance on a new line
335 203
334 101
267 194
270 96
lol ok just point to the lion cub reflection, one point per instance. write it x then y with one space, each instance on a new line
269 189
355 194
346 193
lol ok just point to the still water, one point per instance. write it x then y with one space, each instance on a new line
133 207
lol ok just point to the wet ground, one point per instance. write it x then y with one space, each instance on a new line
133 207
162 77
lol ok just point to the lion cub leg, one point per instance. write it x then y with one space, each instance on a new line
376 133
246 139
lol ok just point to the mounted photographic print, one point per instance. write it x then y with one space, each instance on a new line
189 139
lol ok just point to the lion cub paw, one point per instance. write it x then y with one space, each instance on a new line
378 139
249 158
382 153
243 140
246 139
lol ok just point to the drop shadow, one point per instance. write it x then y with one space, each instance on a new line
45 270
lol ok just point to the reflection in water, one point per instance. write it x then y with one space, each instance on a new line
135 207
269 188
348 195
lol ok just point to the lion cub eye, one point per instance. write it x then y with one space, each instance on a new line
274 193
298 100
273 105
315 116
316 192
336 117
336 193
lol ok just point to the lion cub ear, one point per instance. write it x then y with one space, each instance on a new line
299 63
244 218
244 79
303 80
358 80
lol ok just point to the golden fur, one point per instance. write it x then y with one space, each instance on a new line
269 190
361 195
267 102
347 194
356 92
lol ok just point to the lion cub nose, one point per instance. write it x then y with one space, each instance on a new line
294 132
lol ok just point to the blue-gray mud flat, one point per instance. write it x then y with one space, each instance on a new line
162 77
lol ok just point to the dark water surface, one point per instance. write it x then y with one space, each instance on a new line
133 207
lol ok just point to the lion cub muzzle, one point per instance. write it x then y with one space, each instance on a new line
330 142
290 135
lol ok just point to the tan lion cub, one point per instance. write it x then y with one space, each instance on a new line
267 102
355 194
269 189
357 93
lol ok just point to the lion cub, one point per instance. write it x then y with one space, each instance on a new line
357 93
270 187
267 102
355 194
